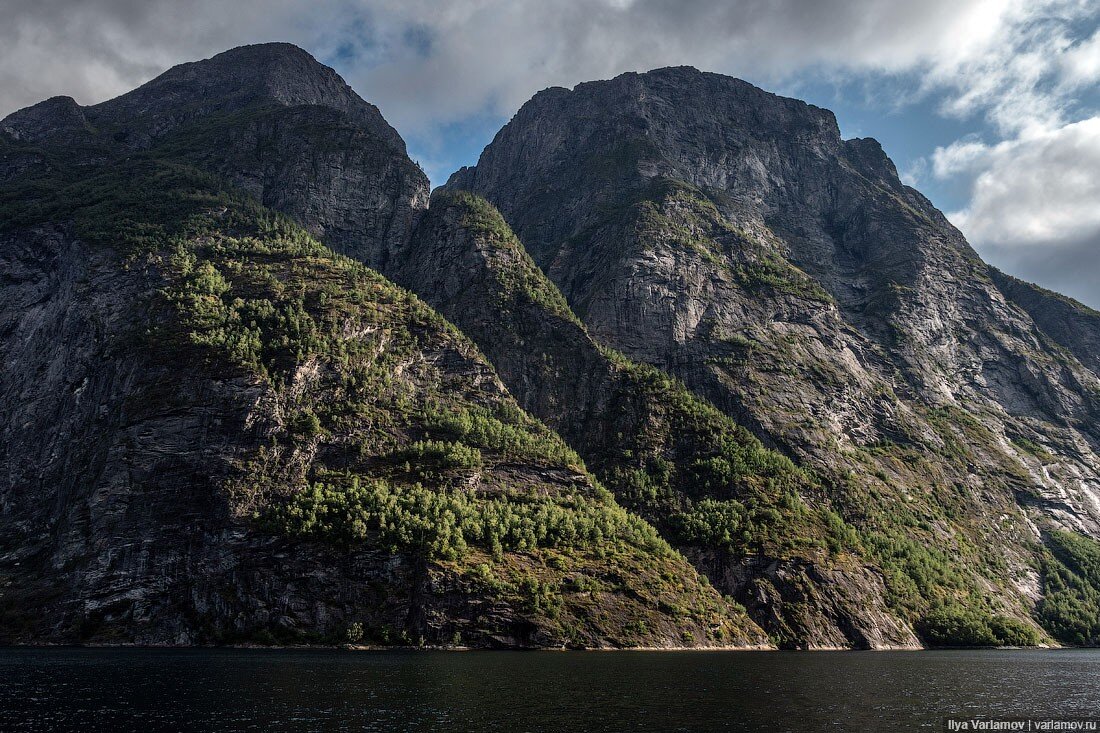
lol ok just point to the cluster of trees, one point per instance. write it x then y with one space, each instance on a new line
712 523
264 311
443 524
957 625
914 571
1070 609
260 329
431 459
505 430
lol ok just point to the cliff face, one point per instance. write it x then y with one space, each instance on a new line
757 184
750 520
732 238
278 125
221 430
801 387
1070 324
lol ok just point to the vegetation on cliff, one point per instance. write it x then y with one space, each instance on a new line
707 483
385 429
755 349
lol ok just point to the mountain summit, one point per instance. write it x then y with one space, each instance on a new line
672 365
731 238
266 74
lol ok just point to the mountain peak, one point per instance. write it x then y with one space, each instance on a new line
606 137
279 74
45 119
271 49
265 74
282 71
706 93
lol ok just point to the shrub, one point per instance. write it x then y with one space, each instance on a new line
509 432
306 425
429 458
709 522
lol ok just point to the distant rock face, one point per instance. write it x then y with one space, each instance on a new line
278 74
54 118
221 431
115 524
187 373
622 419
1072 325
121 523
732 237
278 124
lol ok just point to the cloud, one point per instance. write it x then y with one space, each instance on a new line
1081 62
980 55
96 49
1036 190
1070 268
1034 204
429 63
1015 68
961 156
916 170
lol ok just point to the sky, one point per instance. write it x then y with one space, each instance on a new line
990 107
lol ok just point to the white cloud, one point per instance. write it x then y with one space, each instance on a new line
1035 205
914 172
496 53
1014 67
1081 63
1032 192
961 156
986 56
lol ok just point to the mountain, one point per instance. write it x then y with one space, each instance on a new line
268 119
753 522
221 430
731 238
673 365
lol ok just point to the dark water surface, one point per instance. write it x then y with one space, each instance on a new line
331 690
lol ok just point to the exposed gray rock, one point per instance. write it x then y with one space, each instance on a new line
472 271
693 222
278 124
1072 325
265 74
733 238
140 459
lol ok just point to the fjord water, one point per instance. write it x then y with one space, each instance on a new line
291 690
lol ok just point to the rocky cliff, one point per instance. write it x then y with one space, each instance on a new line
753 522
220 430
711 376
732 238
271 120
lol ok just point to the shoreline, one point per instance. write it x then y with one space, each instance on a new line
430 648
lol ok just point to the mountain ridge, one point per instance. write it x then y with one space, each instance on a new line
784 277
788 277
